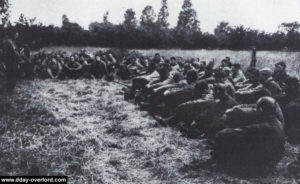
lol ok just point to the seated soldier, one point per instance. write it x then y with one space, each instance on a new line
54 69
213 117
202 66
40 69
143 61
98 68
268 82
251 90
139 83
226 63
157 58
110 66
222 77
174 82
123 72
255 149
73 67
280 74
207 74
87 68
170 94
191 77
290 92
163 72
83 53
237 74
206 112
291 108
178 100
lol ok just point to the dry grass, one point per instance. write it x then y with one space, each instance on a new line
85 130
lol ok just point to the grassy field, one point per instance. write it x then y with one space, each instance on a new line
264 58
84 129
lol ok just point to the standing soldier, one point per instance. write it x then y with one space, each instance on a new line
253 58
10 57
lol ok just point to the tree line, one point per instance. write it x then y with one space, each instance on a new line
151 30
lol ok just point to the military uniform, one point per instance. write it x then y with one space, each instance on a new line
11 59
254 149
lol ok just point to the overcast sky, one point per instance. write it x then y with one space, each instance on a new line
258 14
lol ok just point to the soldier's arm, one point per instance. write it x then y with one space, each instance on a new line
35 70
60 68
253 58
50 73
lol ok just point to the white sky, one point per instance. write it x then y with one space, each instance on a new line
258 14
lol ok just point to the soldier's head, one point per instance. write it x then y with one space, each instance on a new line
220 75
177 77
157 57
97 58
292 87
224 63
279 73
280 66
265 74
72 58
210 65
163 71
266 106
191 76
236 67
201 88
203 63
227 58
53 62
253 74
202 66
173 61
219 91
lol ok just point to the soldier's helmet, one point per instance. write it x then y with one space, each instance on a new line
266 105
191 76
219 90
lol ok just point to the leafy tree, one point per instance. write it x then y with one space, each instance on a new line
24 21
292 34
4 12
105 17
222 32
71 31
65 19
130 21
103 32
163 15
237 37
70 26
148 17
290 27
187 20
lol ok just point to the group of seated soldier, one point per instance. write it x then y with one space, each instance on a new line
60 65
245 114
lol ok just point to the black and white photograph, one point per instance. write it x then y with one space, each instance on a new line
150 91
